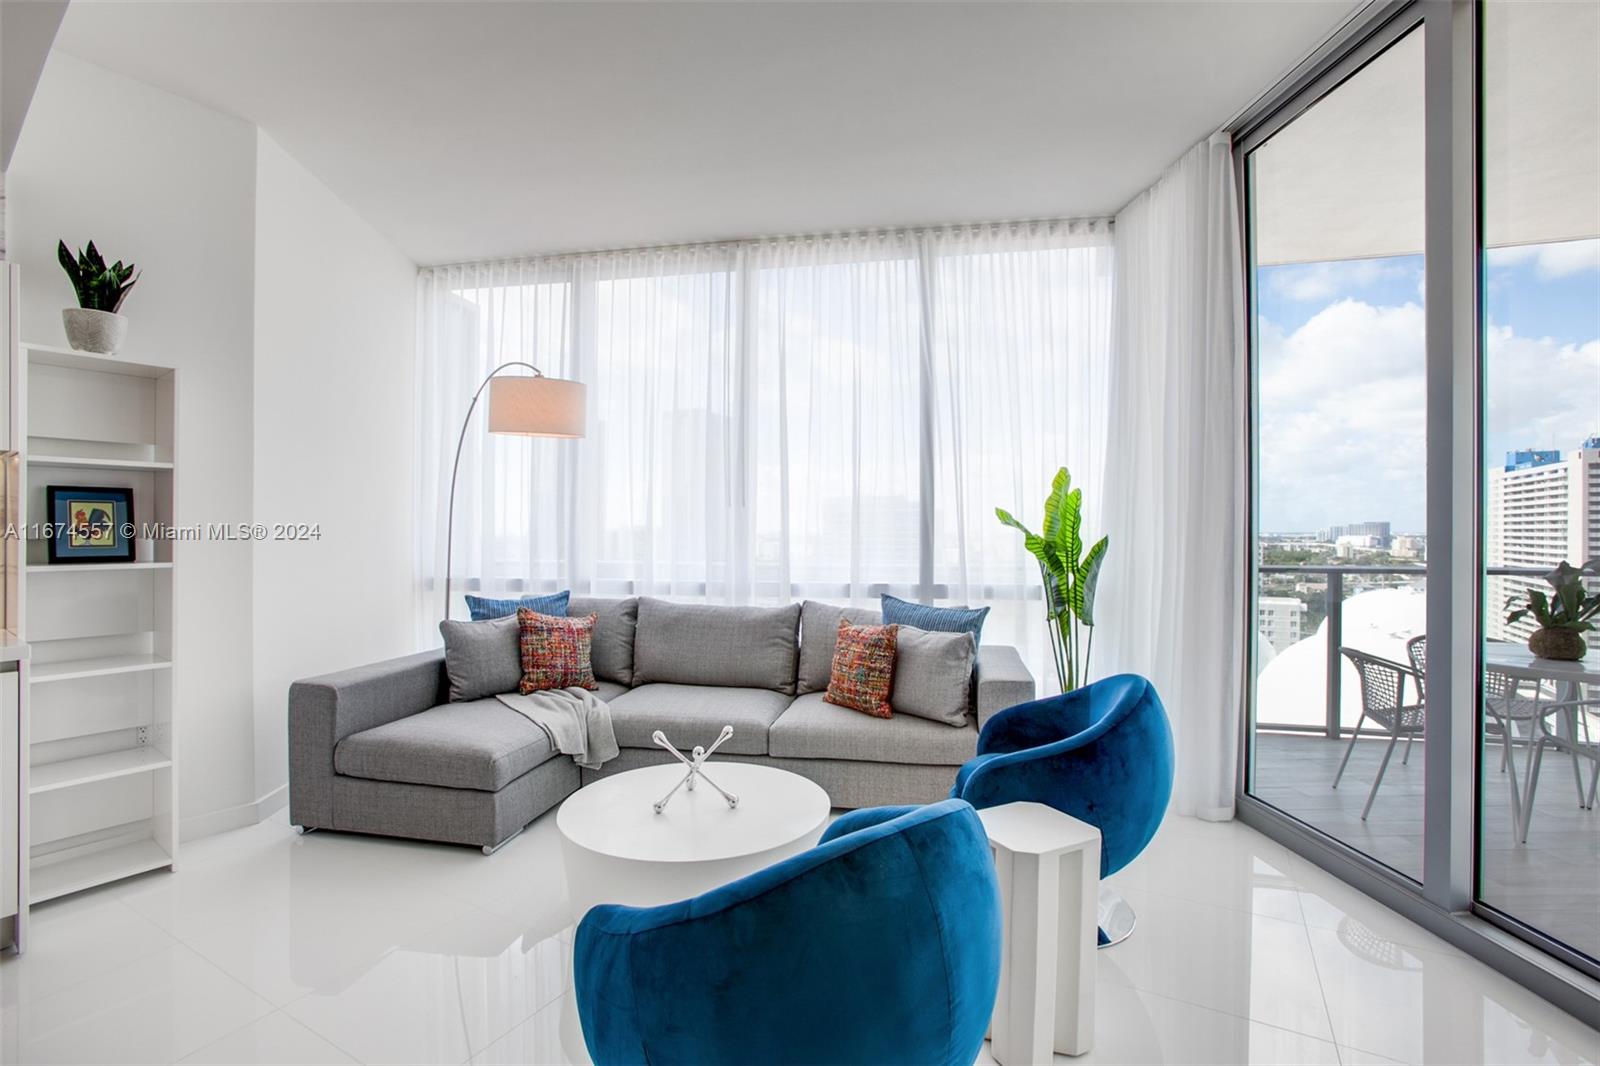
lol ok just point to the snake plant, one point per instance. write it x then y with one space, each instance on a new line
1070 575
99 287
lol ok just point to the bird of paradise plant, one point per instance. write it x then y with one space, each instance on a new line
1069 574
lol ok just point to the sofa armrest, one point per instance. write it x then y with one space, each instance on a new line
1003 680
324 710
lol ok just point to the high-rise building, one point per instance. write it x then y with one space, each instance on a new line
1280 620
1410 546
1380 533
1543 509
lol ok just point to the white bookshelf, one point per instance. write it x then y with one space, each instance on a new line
87 462
91 768
46 568
97 867
97 666
102 752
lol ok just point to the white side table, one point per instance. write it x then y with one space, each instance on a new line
1048 865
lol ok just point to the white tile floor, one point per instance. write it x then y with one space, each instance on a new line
269 947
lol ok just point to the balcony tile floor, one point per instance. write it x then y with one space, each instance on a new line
1552 882
269 947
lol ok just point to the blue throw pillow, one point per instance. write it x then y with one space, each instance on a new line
935 619
483 609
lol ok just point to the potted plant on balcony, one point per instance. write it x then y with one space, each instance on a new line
1564 615
95 325
1070 575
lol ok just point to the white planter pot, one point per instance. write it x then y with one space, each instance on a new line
101 332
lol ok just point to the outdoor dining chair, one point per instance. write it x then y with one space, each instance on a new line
1503 704
1383 699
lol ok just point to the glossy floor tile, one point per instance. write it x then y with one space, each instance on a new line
266 946
155 1008
277 1038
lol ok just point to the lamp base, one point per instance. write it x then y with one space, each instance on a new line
1115 917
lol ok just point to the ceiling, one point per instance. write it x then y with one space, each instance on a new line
473 130
26 31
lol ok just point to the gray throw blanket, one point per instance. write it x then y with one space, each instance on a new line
577 722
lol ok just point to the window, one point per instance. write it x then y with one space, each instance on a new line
1509 343
1340 445
1539 727
824 417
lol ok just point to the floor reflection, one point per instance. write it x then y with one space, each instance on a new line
270 947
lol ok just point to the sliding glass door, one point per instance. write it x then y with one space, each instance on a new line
1539 830
1336 231
1422 214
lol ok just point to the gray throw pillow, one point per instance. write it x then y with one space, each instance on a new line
819 633
614 626
481 658
730 647
932 674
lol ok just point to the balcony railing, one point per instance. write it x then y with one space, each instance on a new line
1335 576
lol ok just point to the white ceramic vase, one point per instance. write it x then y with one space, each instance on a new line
88 330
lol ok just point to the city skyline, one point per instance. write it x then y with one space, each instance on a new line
1553 455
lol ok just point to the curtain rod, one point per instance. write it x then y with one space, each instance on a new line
732 244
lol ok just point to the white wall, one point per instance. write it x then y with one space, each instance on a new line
334 430
156 179
291 322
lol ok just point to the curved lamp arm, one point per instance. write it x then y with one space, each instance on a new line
455 468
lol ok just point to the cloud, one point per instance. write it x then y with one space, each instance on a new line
1558 259
1343 432
1541 394
1343 429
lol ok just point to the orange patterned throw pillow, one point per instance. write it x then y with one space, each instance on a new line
555 651
863 669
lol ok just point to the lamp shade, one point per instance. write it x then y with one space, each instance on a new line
536 407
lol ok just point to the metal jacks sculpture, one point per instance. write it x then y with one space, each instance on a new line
695 763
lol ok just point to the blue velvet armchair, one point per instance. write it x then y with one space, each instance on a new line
881 944
1102 754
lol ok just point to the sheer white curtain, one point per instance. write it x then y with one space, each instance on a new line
469 320
648 500
829 416
835 351
1022 324
1173 590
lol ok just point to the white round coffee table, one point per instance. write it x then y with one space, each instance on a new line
617 849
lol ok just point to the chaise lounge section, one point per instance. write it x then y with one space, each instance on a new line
381 749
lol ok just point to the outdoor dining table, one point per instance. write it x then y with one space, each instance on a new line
1518 663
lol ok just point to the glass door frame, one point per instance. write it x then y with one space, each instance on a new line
1445 901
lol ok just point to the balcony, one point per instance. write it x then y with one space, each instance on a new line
1307 712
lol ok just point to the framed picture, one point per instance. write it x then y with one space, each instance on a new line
89 525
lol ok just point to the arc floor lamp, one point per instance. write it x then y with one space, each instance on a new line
524 405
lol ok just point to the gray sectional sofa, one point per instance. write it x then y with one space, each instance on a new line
381 749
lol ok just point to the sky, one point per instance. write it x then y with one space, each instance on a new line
1342 428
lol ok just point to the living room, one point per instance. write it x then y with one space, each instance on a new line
800 532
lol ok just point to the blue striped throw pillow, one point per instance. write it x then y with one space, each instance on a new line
553 605
934 619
